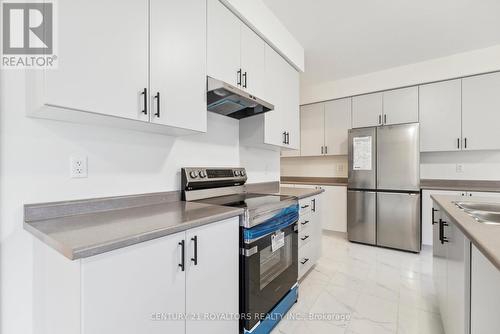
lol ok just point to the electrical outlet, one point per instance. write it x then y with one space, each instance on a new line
459 168
340 168
78 166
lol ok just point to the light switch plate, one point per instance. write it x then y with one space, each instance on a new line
459 168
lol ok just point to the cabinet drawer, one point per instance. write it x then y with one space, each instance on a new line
306 259
305 222
305 206
306 236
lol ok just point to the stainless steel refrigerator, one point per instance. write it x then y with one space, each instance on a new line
383 198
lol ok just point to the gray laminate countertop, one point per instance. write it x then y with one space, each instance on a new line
485 237
460 185
300 193
324 181
90 233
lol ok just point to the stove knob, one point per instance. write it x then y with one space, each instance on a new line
236 173
242 173
202 174
193 175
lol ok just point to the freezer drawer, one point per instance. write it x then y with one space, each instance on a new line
361 216
398 157
362 176
398 221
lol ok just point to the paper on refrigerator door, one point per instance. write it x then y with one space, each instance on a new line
362 153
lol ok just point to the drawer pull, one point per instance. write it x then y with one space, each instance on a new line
304 238
305 222
305 260
304 206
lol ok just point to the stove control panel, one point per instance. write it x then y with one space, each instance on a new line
203 177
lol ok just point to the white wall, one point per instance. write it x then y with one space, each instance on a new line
329 166
468 63
479 165
34 167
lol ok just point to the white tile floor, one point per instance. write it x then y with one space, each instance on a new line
379 291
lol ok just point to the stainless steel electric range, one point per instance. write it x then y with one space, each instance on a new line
268 242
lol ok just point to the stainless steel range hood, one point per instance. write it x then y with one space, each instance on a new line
228 100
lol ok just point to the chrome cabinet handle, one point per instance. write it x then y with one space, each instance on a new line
304 238
305 260
305 222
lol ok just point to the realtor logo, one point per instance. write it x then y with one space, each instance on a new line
28 35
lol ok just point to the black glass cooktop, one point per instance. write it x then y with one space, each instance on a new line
247 200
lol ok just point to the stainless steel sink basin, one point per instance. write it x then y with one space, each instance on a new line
490 218
485 213
489 207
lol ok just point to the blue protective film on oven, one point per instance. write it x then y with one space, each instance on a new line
284 218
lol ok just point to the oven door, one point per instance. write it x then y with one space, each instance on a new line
268 274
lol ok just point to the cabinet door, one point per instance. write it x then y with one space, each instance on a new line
367 110
252 62
480 112
212 283
178 63
334 208
427 205
223 43
485 295
337 123
312 129
439 265
103 58
401 106
457 281
291 111
274 127
441 116
123 290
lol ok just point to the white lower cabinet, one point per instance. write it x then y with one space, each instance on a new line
451 270
334 209
144 288
485 295
123 289
427 230
309 233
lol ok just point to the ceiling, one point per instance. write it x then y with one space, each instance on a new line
351 37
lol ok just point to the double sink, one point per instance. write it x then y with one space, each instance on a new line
485 213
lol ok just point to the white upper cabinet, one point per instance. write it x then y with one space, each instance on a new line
400 106
441 116
279 127
178 63
367 110
223 44
235 53
103 59
149 67
481 112
337 123
252 62
391 107
312 130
